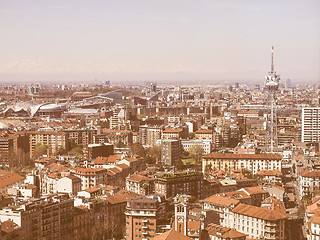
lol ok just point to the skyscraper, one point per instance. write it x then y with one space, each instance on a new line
310 125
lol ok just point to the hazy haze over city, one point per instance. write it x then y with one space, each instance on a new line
158 40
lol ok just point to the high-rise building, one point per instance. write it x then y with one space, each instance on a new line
310 131
170 152
141 218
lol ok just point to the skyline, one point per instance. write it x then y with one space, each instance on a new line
159 41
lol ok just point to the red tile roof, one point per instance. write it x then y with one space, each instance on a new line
222 201
171 235
8 178
259 212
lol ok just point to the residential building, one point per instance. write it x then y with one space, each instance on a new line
141 218
100 150
54 141
91 177
170 152
205 144
309 182
252 162
189 183
310 131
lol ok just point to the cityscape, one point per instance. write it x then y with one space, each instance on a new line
162 145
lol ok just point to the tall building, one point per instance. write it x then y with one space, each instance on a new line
310 125
170 152
141 218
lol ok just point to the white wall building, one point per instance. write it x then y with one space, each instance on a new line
310 125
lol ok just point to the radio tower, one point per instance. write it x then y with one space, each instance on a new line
272 83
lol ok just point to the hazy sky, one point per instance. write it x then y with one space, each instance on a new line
226 40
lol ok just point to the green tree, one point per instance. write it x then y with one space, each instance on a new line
196 152
138 149
39 150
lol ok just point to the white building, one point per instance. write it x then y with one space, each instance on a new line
310 125
69 184
205 144
309 182
252 162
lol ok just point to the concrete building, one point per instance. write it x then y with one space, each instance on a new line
170 152
69 184
310 131
141 218
100 150
169 185
45 218
252 162
309 182
205 144
53 140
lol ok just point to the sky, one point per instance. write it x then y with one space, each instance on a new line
158 40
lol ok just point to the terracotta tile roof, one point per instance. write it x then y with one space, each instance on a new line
8 178
73 178
93 190
204 131
121 197
223 232
31 186
123 166
136 178
269 173
242 156
316 218
168 130
193 225
310 174
114 158
9 226
222 201
255 190
258 212
171 235
131 159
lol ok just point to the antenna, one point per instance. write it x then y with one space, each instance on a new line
272 67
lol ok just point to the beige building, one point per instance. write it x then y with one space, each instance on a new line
53 140
252 162
91 177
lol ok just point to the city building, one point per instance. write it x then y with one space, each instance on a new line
252 162
170 152
141 218
189 183
310 131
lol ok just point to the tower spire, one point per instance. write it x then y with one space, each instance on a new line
272 67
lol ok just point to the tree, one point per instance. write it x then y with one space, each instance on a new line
40 150
138 149
196 152
153 154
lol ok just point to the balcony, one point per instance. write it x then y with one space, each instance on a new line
144 233
145 220
145 227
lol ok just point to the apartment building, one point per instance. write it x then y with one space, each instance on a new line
48 218
309 182
205 144
252 162
169 185
139 184
259 222
53 140
91 177
141 218
170 152
310 131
